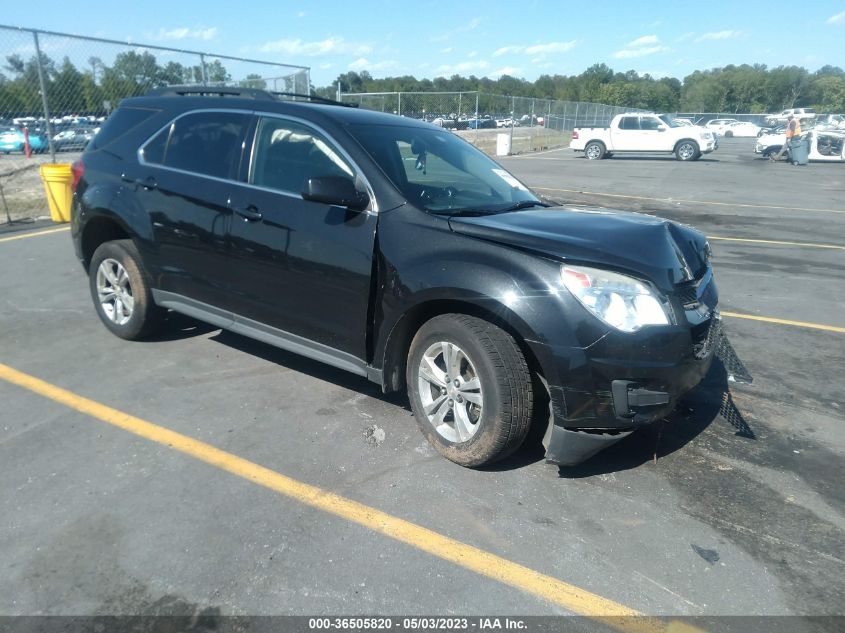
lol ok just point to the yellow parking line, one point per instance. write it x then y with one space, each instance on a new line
34 234
778 242
558 592
678 200
814 326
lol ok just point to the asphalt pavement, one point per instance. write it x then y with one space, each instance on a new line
735 506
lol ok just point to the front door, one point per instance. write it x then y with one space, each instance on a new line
300 266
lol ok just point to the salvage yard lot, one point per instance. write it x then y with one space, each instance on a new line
742 513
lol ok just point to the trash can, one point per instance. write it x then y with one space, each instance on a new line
799 151
57 179
503 144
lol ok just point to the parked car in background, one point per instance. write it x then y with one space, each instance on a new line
830 121
740 128
718 126
777 129
643 133
802 114
482 123
12 139
825 145
73 139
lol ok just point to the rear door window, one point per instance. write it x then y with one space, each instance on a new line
629 123
208 143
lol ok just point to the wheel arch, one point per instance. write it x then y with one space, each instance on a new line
103 227
402 333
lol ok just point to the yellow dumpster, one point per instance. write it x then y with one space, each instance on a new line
57 180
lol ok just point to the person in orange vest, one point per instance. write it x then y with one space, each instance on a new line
793 130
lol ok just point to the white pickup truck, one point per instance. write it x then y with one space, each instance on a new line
642 132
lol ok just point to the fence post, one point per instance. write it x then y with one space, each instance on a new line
513 114
460 94
44 104
476 117
204 70
531 130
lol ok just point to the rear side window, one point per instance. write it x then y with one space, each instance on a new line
119 123
629 123
208 143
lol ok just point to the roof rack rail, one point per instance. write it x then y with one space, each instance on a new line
218 91
243 93
314 98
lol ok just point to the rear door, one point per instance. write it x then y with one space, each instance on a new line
186 176
298 266
626 137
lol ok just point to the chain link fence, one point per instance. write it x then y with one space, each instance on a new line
57 89
530 124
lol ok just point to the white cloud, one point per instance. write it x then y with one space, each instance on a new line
463 67
627 53
470 26
642 41
506 70
537 49
641 47
718 35
839 18
325 66
364 64
472 54
507 49
185 33
359 64
328 46
301 14
446 50
551 47
685 36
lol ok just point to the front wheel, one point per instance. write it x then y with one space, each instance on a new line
686 150
121 292
470 389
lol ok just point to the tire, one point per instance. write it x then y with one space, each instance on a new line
728 134
117 264
686 150
594 150
491 391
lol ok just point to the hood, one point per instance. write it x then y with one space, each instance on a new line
665 252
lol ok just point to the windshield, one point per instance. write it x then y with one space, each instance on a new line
668 120
437 171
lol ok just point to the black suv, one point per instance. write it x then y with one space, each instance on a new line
397 251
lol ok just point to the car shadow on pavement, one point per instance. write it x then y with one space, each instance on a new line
179 326
708 402
313 368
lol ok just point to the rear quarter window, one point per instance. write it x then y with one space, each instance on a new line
119 123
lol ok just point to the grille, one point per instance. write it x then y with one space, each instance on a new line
704 336
689 295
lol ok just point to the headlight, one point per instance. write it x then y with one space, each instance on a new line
620 301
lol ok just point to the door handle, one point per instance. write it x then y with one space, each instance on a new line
250 213
147 183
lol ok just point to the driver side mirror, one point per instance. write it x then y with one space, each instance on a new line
335 190
661 128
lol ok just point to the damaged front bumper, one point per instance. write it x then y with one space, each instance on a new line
602 394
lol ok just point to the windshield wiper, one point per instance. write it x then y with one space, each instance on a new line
523 204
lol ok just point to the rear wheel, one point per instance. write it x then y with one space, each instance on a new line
470 389
121 292
686 150
594 150
728 134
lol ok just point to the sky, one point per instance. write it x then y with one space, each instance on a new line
428 39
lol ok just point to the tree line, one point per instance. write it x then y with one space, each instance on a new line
746 88
97 87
